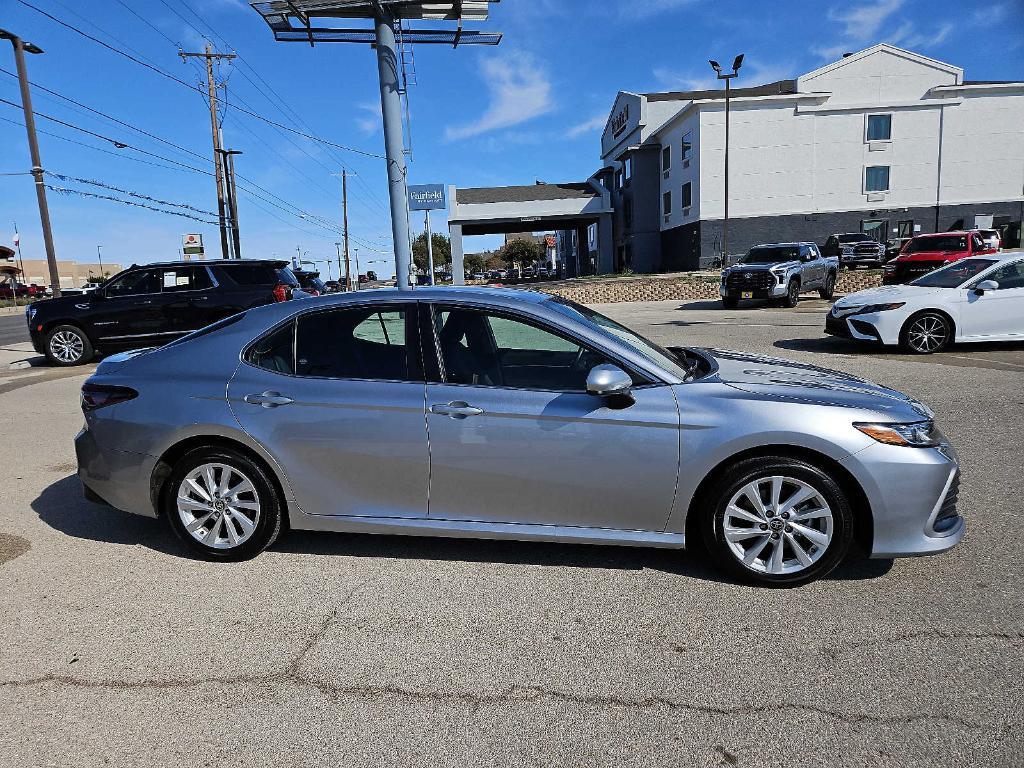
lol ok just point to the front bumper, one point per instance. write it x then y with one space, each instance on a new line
120 478
859 259
774 292
913 494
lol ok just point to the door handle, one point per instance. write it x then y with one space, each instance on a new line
200 298
144 301
268 399
456 409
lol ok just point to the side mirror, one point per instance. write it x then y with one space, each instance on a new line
985 285
608 380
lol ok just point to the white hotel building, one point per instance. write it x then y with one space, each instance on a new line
883 141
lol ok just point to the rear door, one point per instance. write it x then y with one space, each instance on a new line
188 301
336 396
515 438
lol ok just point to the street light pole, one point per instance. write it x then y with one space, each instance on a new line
20 46
99 255
737 63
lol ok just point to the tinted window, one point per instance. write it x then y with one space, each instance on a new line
876 178
275 352
853 238
938 243
135 283
259 274
879 127
488 349
772 255
185 279
357 343
1010 276
955 274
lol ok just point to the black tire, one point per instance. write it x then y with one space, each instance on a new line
67 345
926 333
829 289
792 294
723 490
730 302
270 515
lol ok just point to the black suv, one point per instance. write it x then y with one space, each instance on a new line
148 305
854 249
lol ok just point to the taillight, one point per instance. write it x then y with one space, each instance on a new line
101 395
281 292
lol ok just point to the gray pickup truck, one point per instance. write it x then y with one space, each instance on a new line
779 271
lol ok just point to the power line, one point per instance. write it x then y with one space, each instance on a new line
169 76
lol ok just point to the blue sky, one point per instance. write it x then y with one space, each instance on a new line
531 109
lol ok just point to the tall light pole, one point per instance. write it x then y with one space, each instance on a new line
736 64
99 255
20 46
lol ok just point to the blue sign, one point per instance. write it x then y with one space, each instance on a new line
426 197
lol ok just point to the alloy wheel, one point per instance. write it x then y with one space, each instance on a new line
927 334
218 505
778 525
67 346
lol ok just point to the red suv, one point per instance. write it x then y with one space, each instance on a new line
924 253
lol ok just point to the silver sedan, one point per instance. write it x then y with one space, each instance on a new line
505 414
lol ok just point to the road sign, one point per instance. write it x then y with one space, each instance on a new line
426 197
192 245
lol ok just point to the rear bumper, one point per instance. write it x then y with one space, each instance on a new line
120 478
913 494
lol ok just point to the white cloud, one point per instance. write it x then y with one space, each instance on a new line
519 91
672 80
872 23
863 22
751 73
645 8
369 122
595 123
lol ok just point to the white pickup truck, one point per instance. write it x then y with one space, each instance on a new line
781 272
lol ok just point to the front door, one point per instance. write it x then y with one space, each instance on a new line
129 312
998 313
515 438
337 400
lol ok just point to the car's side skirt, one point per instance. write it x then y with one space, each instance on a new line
462 529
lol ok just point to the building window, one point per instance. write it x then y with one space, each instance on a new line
687 150
618 179
666 159
687 195
876 178
627 169
905 228
879 127
666 203
875 229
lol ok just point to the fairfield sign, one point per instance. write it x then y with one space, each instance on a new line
619 121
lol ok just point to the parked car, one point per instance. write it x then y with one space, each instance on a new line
893 247
152 304
780 271
546 420
925 253
310 282
334 286
991 238
371 276
39 291
854 249
970 300
15 290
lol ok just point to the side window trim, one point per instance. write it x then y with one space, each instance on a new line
435 306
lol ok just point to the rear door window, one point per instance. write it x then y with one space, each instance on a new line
355 343
179 279
276 351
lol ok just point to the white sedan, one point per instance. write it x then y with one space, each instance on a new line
976 299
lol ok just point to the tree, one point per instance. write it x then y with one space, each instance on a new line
442 250
474 262
525 252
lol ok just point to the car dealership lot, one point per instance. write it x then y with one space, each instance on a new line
336 649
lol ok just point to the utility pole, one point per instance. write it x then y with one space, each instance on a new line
430 246
232 193
20 46
210 56
99 255
348 274
344 219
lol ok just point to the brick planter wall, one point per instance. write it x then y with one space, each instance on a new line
688 287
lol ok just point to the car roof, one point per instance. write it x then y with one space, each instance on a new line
943 234
777 245
212 262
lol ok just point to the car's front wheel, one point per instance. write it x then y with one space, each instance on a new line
68 345
792 294
222 505
777 521
926 332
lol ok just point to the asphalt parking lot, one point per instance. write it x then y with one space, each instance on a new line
116 648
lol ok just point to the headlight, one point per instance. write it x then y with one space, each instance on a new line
918 434
879 308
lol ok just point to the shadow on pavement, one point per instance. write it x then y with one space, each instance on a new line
62 507
839 346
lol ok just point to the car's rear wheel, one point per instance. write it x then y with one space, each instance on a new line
926 333
828 290
68 345
777 522
792 294
222 505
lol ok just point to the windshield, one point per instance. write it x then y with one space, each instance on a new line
955 274
646 349
853 238
940 243
772 255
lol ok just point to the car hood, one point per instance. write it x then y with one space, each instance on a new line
762 267
778 378
884 295
932 256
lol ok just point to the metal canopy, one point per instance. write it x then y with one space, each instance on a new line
291 21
